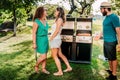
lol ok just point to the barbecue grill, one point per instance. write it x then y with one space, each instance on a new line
77 39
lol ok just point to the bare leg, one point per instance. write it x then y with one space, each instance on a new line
44 64
65 61
110 65
44 67
57 61
40 60
114 67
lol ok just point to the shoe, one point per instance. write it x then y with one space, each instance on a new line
67 70
109 72
45 71
57 74
111 77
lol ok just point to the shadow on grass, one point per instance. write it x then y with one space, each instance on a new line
12 56
2 34
84 72
19 68
12 71
24 44
4 38
7 73
80 72
24 47
40 76
14 63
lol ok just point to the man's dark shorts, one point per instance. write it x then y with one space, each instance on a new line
110 50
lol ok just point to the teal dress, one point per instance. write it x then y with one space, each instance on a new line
42 37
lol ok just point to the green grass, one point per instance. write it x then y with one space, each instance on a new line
18 65
17 61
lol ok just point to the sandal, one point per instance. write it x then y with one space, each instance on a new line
45 71
67 70
58 74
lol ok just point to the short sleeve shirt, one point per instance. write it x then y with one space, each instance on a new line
110 22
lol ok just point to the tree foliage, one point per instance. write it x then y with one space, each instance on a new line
116 6
84 9
50 10
16 6
19 8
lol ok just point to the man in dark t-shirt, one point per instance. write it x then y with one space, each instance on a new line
111 37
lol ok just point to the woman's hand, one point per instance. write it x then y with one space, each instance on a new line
51 39
34 46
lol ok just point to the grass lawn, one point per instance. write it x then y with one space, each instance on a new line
17 61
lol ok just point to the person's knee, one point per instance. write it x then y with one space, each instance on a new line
44 56
60 54
54 56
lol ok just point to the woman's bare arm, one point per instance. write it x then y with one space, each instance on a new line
34 30
58 27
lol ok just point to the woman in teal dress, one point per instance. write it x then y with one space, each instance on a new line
40 38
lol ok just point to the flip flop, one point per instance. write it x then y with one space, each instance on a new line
57 74
45 71
67 70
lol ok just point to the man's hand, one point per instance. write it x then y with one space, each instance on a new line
97 37
118 48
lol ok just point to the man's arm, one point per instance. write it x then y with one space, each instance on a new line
118 34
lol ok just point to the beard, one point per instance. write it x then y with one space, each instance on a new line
104 13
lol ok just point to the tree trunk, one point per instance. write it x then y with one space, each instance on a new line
81 13
14 19
88 11
73 7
